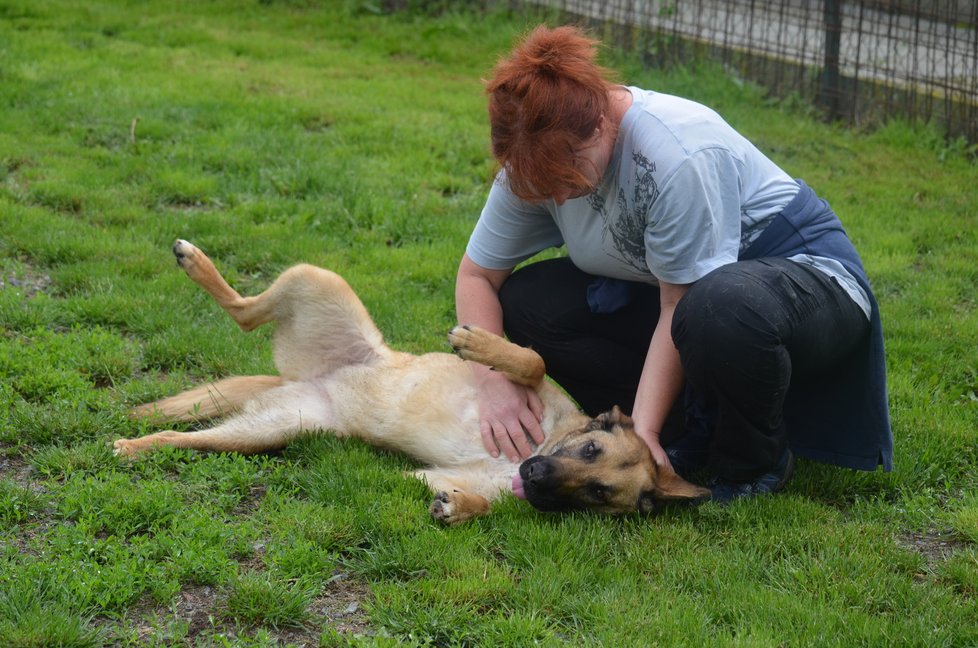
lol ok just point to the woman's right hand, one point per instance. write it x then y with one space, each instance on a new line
509 416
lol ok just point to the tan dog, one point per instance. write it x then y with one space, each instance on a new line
337 374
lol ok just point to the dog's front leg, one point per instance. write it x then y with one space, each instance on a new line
457 506
520 364
456 499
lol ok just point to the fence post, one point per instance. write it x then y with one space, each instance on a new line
831 90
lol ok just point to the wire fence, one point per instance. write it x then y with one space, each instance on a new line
862 61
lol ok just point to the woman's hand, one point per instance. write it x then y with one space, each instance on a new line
659 455
509 416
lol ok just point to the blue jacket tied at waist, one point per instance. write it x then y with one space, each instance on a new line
843 419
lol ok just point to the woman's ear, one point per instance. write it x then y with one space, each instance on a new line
600 128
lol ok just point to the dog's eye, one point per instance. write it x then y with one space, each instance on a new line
591 450
599 492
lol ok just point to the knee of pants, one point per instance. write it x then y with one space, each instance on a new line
722 318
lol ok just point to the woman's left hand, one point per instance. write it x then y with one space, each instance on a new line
659 455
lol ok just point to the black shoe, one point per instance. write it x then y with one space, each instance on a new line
724 492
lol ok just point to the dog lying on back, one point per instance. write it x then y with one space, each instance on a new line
337 375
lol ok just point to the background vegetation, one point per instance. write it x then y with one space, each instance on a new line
270 133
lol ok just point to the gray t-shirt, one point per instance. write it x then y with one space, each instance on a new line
683 194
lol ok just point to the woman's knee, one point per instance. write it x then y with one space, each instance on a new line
721 299
726 313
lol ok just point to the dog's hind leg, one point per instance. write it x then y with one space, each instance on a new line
247 312
266 423
230 436
208 401
321 324
521 365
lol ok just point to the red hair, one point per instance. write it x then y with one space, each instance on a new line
545 100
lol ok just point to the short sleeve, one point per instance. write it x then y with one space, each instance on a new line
695 223
510 230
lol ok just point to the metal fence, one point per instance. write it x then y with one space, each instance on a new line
861 61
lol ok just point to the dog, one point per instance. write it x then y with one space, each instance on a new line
336 374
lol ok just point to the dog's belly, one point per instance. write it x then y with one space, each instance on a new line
424 406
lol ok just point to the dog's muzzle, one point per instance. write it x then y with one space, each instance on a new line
538 485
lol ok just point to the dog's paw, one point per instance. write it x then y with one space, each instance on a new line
442 508
471 343
184 251
188 255
139 445
147 410
124 448
193 261
456 507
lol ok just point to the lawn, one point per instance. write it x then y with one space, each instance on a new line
270 133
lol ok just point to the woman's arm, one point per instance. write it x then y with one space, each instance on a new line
509 414
662 377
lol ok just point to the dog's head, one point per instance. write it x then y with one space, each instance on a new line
603 467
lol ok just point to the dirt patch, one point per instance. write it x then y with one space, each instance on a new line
15 468
934 545
197 608
340 606
30 282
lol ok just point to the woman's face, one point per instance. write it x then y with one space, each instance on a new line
592 161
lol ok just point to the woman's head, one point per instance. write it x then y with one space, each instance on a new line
547 106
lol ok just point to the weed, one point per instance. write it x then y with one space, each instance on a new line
260 599
18 504
34 614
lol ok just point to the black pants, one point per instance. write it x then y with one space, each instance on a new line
745 333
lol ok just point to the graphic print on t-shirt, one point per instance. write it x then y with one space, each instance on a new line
625 224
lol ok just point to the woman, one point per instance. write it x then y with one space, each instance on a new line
704 289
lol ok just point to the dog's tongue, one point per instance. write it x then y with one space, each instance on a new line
518 486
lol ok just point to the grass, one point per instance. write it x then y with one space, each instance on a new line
276 132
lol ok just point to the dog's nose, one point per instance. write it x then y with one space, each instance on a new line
535 470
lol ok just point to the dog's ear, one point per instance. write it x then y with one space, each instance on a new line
617 417
608 420
647 502
670 486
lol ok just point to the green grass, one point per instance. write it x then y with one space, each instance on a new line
272 132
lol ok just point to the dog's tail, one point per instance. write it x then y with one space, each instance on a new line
210 400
